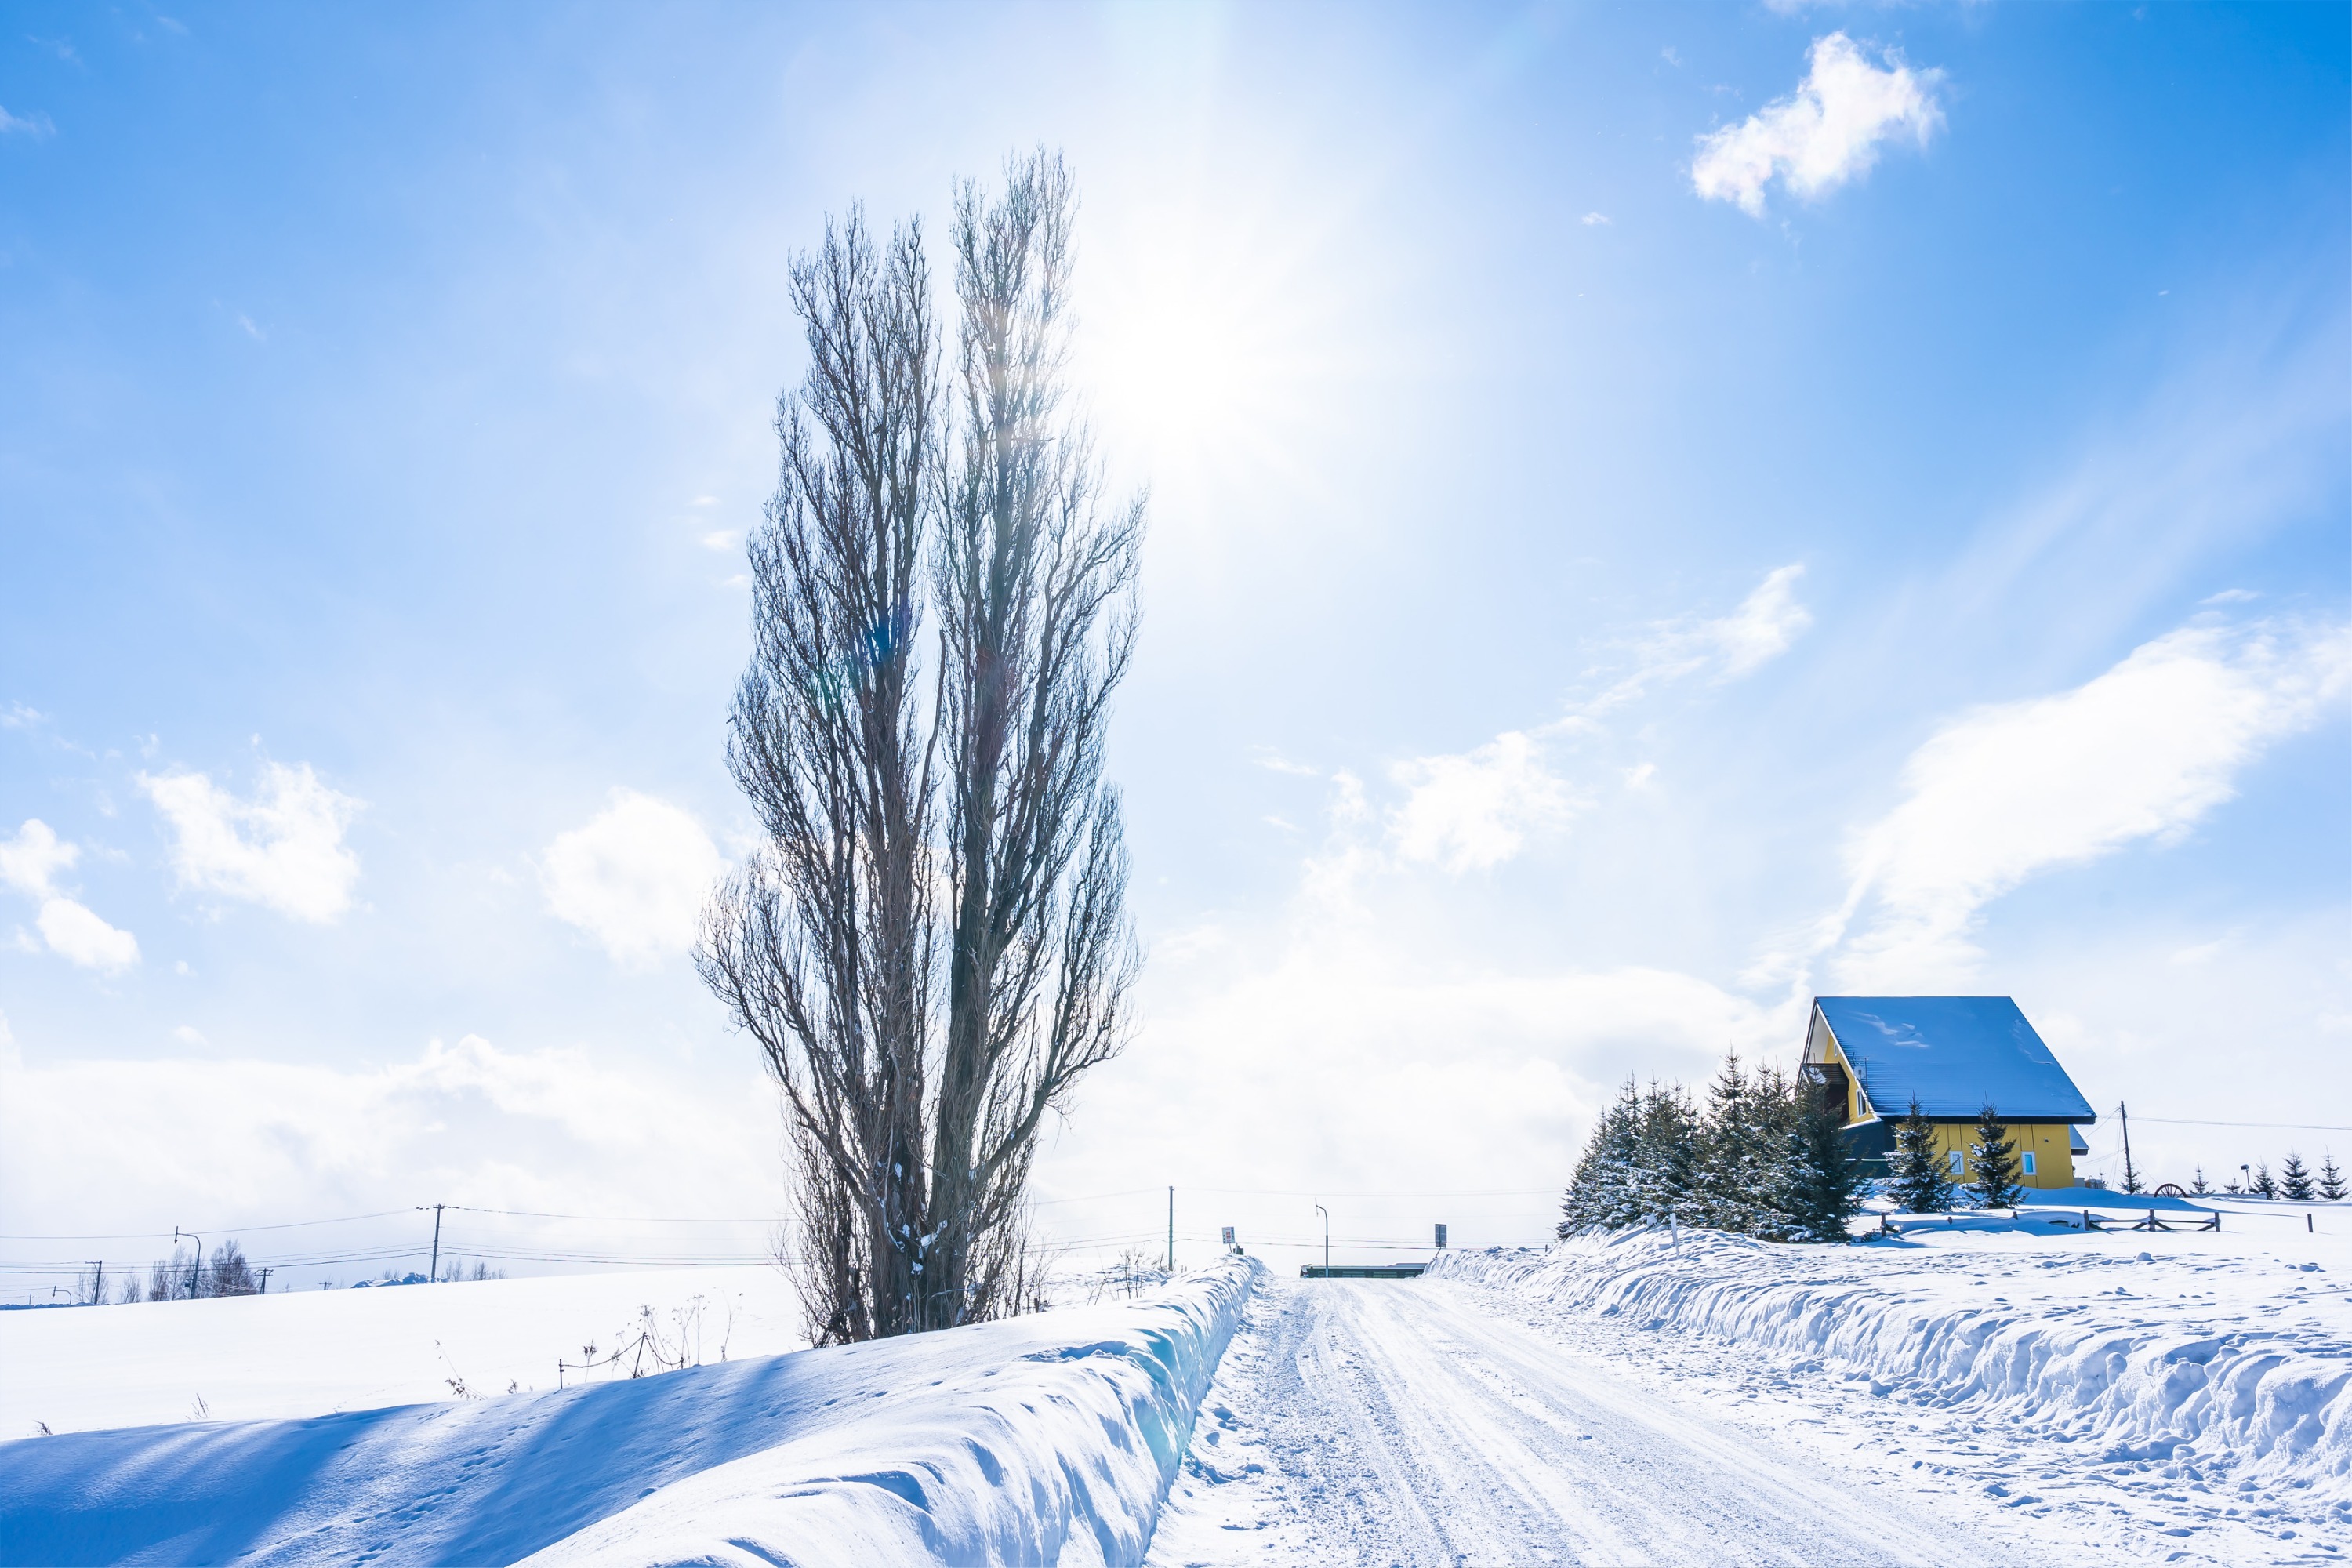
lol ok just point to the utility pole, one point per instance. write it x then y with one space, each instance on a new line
1172 1231
1327 1239
2131 1176
434 1273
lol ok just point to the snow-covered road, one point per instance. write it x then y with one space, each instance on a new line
1378 1422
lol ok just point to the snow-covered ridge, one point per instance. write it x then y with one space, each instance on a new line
1041 1439
2213 1362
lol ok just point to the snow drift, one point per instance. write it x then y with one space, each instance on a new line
2233 1363
1041 1440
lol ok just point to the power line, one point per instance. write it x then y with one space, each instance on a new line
152 1234
617 1218
2279 1126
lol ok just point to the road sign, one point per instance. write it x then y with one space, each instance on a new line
1229 1236
1440 1239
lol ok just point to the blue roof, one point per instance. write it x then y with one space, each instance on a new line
1953 1054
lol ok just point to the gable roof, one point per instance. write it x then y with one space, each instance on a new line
1953 1054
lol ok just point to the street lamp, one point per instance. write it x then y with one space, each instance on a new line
195 1269
1327 1239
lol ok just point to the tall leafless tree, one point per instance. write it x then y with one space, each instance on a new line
931 946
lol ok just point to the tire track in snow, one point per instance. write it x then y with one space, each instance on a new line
1381 1423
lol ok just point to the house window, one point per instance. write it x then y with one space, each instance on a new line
1954 1157
2029 1162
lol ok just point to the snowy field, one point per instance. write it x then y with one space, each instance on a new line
313 1353
1047 1438
1990 1390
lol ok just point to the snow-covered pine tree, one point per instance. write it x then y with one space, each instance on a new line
1921 1185
1823 1182
1995 1158
2331 1180
1718 1200
1665 1156
2263 1187
2198 1186
2295 1178
1761 1168
1598 1195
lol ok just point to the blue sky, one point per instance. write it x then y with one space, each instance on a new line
1655 512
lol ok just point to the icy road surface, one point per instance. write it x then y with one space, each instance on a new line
1379 1422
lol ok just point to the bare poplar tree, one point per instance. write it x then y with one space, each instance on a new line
932 944
822 946
1035 582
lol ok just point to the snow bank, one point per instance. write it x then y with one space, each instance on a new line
1042 1439
2219 1357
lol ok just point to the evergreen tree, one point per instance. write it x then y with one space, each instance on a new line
1824 1181
2295 1178
1995 1158
1921 1185
1598 1195
1720 1200
2198 1186
1665 1156
2331 1180
2263 1187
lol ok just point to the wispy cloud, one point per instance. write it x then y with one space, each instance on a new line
1596 220
36 125
1476 809
634 877
1765 626
1825 133
2142 752
283 849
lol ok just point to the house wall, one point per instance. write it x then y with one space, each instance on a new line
2054 1160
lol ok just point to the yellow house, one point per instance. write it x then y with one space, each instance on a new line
1955 1055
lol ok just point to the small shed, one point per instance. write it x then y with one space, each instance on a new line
1870 1057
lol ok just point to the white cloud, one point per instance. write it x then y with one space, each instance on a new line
1476 810
74 933
720 539
283 849
1595 220
30 861
36 125
1827 133
189 1034
2143 752
99 1145
635 879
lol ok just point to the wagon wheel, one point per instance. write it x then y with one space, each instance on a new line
2171 1190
